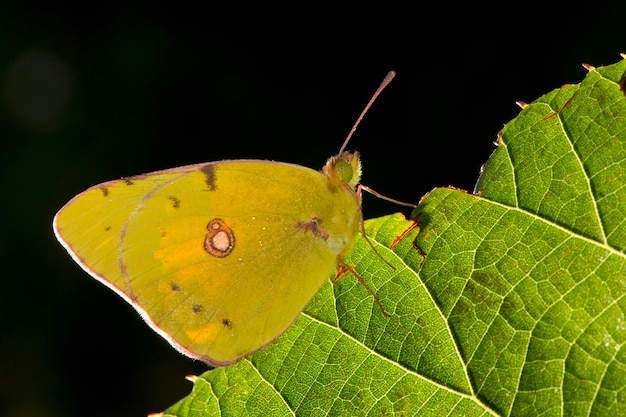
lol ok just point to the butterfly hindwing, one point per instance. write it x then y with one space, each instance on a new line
218 258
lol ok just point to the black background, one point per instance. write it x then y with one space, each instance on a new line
94 92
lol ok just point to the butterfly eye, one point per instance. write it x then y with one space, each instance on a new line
344 170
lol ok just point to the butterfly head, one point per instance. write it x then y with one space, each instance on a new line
344 168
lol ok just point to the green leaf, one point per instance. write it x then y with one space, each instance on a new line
517 308
531 273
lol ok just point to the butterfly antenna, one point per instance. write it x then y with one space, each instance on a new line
379 90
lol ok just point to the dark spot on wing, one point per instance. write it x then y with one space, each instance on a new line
105 191
313 226
127 181
227 323
175 201
197 308
107 229
209 173
174 286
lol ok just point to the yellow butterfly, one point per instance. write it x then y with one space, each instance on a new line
218 258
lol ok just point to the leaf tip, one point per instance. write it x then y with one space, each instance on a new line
192 378
589 67
521 104
623 55
155 415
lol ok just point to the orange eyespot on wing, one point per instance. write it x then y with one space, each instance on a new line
220 240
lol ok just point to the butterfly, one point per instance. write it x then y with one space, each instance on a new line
219 258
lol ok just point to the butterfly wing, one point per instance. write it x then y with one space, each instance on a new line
218 258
